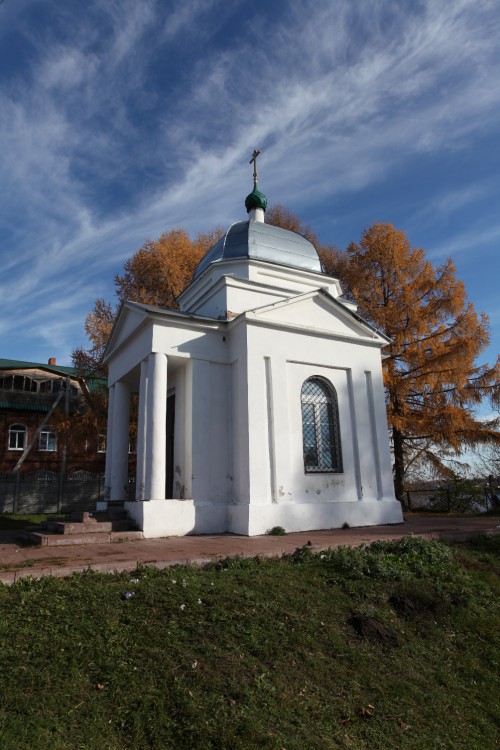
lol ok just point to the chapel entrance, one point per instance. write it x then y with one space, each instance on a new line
169 431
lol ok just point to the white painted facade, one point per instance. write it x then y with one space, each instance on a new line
249 333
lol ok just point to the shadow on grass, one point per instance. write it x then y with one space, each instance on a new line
485 543
12 522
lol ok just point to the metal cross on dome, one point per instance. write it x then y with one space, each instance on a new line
255 154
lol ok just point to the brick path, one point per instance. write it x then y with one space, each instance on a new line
17 561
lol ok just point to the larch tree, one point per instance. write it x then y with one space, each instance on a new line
159 271
432 381
280 216
332 259
155 275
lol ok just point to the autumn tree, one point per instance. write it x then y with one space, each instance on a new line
155 275
159 271
332 259
280 216
432 381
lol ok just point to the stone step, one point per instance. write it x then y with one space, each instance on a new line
84 516
48 539
84 527
95 527
115 509
117 513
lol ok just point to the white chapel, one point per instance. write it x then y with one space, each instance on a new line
261 400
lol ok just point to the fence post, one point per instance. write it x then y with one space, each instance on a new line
17 489
409 499
448 498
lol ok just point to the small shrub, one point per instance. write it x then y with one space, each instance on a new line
276 531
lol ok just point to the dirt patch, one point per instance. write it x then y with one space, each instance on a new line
406 607
39 563
411 607
373 630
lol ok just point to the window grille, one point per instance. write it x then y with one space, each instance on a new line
320 427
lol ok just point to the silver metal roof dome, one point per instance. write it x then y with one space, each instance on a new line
259 241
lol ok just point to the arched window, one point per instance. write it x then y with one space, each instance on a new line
17 437
320 427
48 439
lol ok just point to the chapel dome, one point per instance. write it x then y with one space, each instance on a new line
255 240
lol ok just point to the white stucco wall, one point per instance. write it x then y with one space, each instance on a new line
239 285
279 363
238 451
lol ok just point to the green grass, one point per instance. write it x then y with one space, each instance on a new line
395 645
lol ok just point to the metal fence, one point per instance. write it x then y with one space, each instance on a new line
466 496
47 492
438 500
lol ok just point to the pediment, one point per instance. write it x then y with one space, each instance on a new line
319 311
130 318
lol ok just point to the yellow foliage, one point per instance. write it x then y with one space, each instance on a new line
431 376
155 275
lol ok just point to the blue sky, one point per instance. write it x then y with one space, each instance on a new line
125 118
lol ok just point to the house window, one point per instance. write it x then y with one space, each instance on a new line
48 439
45 386
17 437
320 427
24 383
101 443
7 383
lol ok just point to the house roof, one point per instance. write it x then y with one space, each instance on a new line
93 383
17 364
24 406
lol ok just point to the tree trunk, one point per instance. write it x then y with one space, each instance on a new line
399 467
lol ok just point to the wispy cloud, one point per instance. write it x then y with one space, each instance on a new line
134 117
472 242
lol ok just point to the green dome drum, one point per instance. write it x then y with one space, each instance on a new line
256 199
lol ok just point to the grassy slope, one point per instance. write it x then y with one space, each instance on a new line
392 646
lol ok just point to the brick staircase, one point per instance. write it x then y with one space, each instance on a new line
112 525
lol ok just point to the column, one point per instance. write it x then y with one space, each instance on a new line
120 440
141 433
156 415
109 444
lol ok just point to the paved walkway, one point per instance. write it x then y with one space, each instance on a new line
17 561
